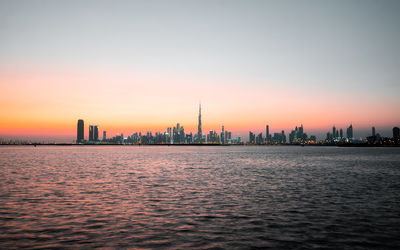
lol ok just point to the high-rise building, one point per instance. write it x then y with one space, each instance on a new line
334 131
267 136
373 131
328 136
223 135
300 132
96 133
341 133
199 132
170 136
91 133
349 132
104 135
252 138
181 134
80 135
396 133
259 138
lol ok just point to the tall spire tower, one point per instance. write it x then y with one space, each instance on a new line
199 133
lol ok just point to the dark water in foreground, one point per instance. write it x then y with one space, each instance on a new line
200 197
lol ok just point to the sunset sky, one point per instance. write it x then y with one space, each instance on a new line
133 66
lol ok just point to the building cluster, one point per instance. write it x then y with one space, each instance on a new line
296 136
177 135
173 135
377 139
337 135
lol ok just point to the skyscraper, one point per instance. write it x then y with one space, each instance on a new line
96 133
91 133
223 135
80 131
373 131
252 138
104 135
267 137
300 132
334 131
199 133
350 132
396 133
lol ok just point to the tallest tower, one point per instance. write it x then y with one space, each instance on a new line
199 133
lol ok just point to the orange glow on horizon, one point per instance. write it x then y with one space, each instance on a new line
49 102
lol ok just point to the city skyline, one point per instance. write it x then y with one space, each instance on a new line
177 135
93 131
138 65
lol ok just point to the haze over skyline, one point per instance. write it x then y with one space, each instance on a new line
133 66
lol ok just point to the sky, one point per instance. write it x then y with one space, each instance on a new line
131 66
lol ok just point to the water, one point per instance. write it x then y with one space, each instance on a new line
200 197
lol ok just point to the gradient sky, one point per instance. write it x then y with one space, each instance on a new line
144 65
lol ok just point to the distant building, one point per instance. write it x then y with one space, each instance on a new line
96 133
297 135
301 132
396 133
341 133
252 138
91 133
267 135
223 135
283 140
373 131
349 132
334 131
259 139
328 137
104 135
199 131
80 135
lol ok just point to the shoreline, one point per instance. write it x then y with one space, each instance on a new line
207 145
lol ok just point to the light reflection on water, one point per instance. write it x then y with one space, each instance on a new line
199 197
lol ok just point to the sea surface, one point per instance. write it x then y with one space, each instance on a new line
236 197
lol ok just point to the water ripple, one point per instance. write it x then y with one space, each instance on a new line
199 197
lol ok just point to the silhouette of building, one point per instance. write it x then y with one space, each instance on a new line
199 132
334 132
80 135
283 140
267 135
396 133
259 139
104 135
341 133
301 133
373 131
349 132
91 133
252 138
223 135
96 133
